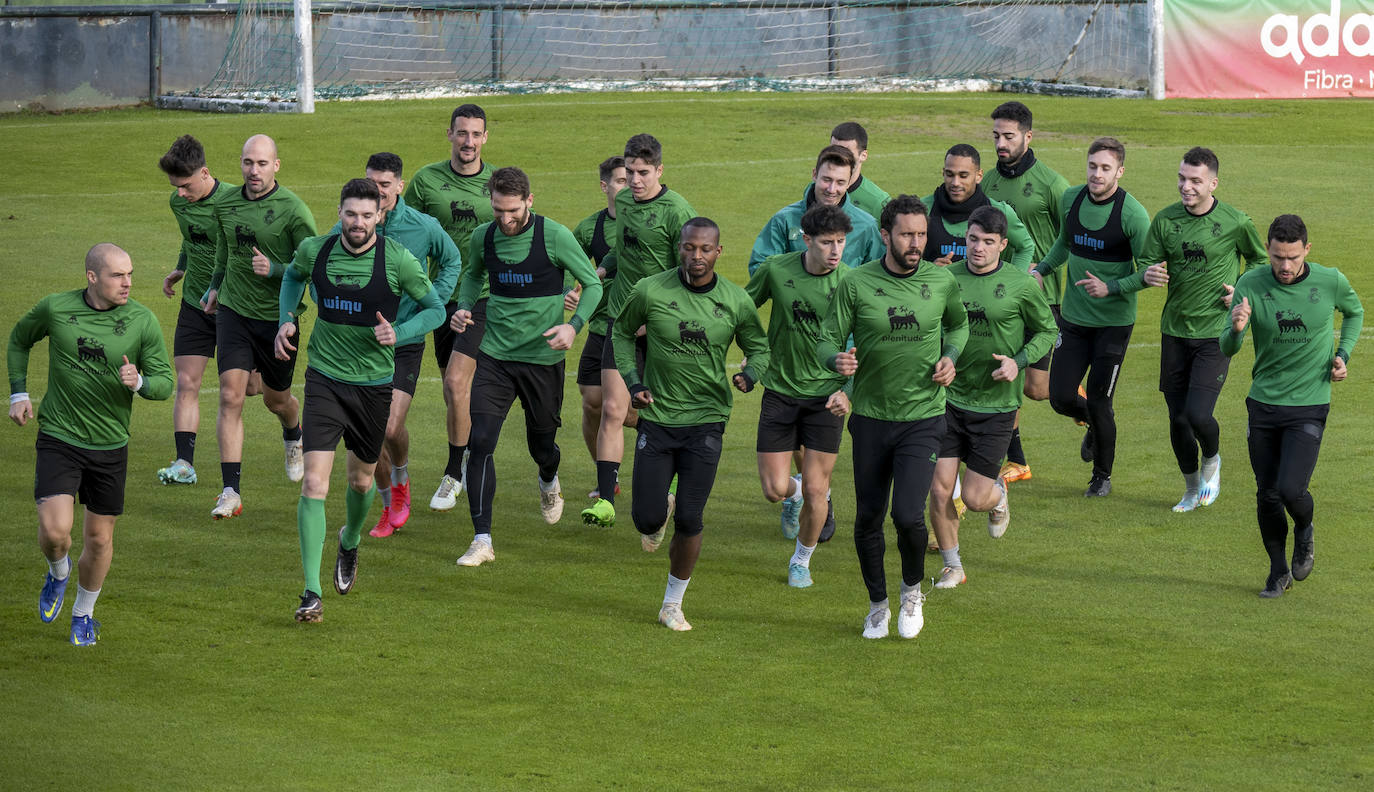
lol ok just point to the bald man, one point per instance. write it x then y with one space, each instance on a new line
260 226
102 349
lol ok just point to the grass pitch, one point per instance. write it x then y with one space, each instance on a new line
1102 645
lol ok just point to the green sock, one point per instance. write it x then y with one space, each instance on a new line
310 524
358 505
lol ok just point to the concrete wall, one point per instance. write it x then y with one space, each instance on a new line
66 58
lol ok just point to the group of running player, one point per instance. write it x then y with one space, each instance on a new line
926 318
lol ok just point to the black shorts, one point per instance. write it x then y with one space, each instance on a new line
247 344
357 413
447 342
692 453
407 372
608 351
589 363
195 333
1187 364
1043 364
498 383
95 478
979 439
786 424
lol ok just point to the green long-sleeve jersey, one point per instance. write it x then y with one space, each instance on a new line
1293 326
86 404
460 203
1034 194
1204 253
646 240
427 241
199 239
689 332
1020 246
1008 314
526 295
275 224
596 234
902 325
1117 309
350 352
782 233
799 300
868 196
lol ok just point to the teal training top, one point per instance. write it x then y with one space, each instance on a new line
86 404
783 234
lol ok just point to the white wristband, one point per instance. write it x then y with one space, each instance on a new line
15 398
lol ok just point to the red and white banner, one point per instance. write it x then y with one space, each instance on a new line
1268 48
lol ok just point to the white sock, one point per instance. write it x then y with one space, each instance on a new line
399 475
60 568
484 537
549 486
958 488
1210 465
796 493
802 555
908 589
85 601
676 588
1191 482
951 558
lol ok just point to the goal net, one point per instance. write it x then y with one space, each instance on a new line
433 48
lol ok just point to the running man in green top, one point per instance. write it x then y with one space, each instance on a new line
1009 325
649 219
1033 189
863 193
260 226
522 258
683 393
597 234
1197 248
357 279
427 241
453 191
804 403
193 205
102 349
1290 306
909 326
1100 240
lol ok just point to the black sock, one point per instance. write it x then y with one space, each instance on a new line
1014 451
291 435
454 467
186 446
607 474
231 472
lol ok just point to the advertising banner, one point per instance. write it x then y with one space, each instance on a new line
1245 49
